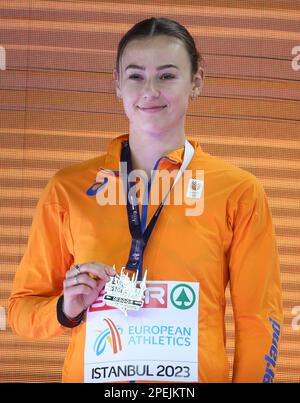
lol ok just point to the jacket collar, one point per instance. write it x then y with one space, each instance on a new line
112 158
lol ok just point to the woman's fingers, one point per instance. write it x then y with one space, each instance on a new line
80 279
82 285
95 270
100 270
74 291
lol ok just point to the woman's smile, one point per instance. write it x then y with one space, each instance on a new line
152 109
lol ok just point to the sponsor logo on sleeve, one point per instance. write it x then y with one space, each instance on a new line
271 357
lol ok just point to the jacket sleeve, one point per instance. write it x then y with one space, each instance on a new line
38 284
255 288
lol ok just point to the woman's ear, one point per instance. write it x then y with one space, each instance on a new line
198 82
117 83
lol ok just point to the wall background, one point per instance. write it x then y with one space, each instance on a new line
57 107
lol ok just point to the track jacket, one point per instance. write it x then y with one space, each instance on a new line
231 240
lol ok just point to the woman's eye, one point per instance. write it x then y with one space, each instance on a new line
135 77
167 76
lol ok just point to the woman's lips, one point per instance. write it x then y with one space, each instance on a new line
152 109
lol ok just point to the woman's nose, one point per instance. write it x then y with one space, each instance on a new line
150 90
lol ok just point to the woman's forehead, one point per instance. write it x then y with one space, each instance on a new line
161 50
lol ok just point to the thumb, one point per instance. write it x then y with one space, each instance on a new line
101 284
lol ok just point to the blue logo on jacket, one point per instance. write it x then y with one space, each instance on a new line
94 189
273 354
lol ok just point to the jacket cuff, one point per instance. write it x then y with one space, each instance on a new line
63 319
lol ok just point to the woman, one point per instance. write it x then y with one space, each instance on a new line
79 233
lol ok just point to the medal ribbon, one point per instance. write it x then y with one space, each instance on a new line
140 238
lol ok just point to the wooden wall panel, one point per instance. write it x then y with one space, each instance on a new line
57 107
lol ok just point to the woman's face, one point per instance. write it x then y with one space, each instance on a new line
155 83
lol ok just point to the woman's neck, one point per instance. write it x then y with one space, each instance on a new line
146 149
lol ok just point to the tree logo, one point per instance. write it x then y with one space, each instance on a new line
183 296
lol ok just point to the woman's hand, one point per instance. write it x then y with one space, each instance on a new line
83 284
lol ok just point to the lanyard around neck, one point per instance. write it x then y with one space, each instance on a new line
140 238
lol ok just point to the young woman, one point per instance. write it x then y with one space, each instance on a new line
190 256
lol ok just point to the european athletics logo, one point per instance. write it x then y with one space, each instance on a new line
111 335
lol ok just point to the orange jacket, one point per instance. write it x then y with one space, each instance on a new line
232 239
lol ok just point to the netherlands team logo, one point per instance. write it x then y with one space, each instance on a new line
109 338
196 185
